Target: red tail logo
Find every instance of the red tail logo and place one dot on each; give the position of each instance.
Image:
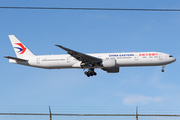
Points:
(22, 49)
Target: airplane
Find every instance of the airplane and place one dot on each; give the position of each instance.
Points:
(109, 62)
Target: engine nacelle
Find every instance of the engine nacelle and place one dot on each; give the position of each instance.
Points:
(109, 63)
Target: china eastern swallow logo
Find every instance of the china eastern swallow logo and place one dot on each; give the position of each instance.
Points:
(22, 49)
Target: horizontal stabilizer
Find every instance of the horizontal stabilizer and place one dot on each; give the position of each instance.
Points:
(15, 58)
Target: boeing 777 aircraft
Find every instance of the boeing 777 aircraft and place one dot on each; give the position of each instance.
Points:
(109, 62)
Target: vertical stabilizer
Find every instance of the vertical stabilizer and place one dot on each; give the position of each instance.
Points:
(20, 49)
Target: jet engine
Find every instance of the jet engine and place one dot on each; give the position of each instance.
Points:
(109, 63)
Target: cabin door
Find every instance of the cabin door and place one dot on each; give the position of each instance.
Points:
(38, 60)
(68, 59)
(136, 57)
(160, 56)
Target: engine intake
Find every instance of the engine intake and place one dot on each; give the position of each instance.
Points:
(109, 63)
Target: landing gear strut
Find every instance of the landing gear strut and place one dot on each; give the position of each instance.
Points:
(163, 68)
(90, 72)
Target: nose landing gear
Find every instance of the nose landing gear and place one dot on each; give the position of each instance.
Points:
(90, 72)
(163, 68)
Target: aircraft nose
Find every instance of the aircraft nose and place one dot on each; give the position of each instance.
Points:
(174, 59)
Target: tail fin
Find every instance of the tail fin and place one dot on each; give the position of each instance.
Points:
(20, 49)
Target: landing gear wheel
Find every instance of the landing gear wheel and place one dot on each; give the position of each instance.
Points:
(95, 73)
(163, 68)
(85, 72)
(90, 72)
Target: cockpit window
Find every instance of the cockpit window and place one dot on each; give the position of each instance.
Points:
(170, 56)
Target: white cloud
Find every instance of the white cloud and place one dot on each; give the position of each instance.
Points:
(140, 100)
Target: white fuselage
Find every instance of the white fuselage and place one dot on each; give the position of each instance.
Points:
(122, 60)
(109, 62)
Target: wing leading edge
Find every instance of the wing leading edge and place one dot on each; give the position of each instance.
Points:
(80, 56)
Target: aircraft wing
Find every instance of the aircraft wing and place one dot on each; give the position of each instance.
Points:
(15, 58)
(80, 56)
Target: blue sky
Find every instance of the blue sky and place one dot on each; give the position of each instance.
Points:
(90, 32)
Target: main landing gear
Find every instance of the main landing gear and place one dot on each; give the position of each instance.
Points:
(90, 72)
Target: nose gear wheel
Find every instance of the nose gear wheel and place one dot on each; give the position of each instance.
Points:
(163, 68)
